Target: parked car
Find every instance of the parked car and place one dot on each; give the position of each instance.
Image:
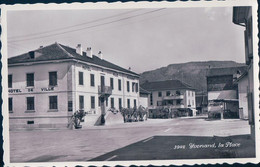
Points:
(214, 110)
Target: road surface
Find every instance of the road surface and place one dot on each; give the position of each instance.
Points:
(108, 142)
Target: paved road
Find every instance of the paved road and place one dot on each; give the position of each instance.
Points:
(184, 147)
(86, 144)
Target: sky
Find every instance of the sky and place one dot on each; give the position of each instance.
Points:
(143, 39)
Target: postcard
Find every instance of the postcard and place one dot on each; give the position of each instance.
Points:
(134, 83)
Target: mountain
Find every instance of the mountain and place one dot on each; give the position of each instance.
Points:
(192, 73)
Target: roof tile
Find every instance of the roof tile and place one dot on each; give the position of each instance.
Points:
(58, 51)
(165, 85)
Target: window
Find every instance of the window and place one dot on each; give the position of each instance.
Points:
(53, 78)
(178, 92)
(135, 103)
(112, 83)
(102, 81)
(30, 103)
(136, 87)
(70, 106)
(159, 94)
(189, 102)
(53, 102)
(168, 93)
(188, 93)
(10, 81)
(30, 122)
(178, 102)
(81, 78)
(192, 102)
(128, 86)
(112, 102)
(133, 87)
(106, 101)
(151, 99)
(119, 103)
(119, 84)
(92, 80)
(159, 103)
(128, 103)
(10, 104)
(81, 102)
(93, 102)
(30, 79)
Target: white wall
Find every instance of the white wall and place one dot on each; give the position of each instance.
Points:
(67, 89)
(41, 98)
(190, 99)
(185, 100)
(87, 91)
(242, 93)
(143, 101)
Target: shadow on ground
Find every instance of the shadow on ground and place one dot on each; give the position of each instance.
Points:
(162, 148)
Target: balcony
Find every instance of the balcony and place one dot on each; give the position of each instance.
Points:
(173, 97)
(104, 90)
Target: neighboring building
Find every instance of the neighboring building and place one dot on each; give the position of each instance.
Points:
(173, 93)
(242, 83)
(143, 99)
(243, 16)
(47, 85)
(202, 102)
(222, 92)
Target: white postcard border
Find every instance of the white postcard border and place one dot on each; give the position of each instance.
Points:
(117, 5)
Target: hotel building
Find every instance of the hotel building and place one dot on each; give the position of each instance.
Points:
(47, 85)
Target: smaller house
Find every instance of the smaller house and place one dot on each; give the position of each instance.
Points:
(223, 92)
(174, 94)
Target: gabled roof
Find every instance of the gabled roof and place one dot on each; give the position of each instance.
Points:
(166, 85)
(226, 71)
(58, 51)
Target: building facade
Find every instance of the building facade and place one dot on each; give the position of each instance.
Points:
(223, 92)
(242, 16)
(47, 85)
(242, 84)
(173, 93)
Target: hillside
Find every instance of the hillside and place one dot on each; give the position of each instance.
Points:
(193, 73)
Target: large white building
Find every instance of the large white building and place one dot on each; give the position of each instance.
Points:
(50, 83)
(172, 93)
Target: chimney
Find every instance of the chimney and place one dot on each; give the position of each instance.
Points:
(41, 47)
(79, 49)
(89, 52)
(100, 55)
